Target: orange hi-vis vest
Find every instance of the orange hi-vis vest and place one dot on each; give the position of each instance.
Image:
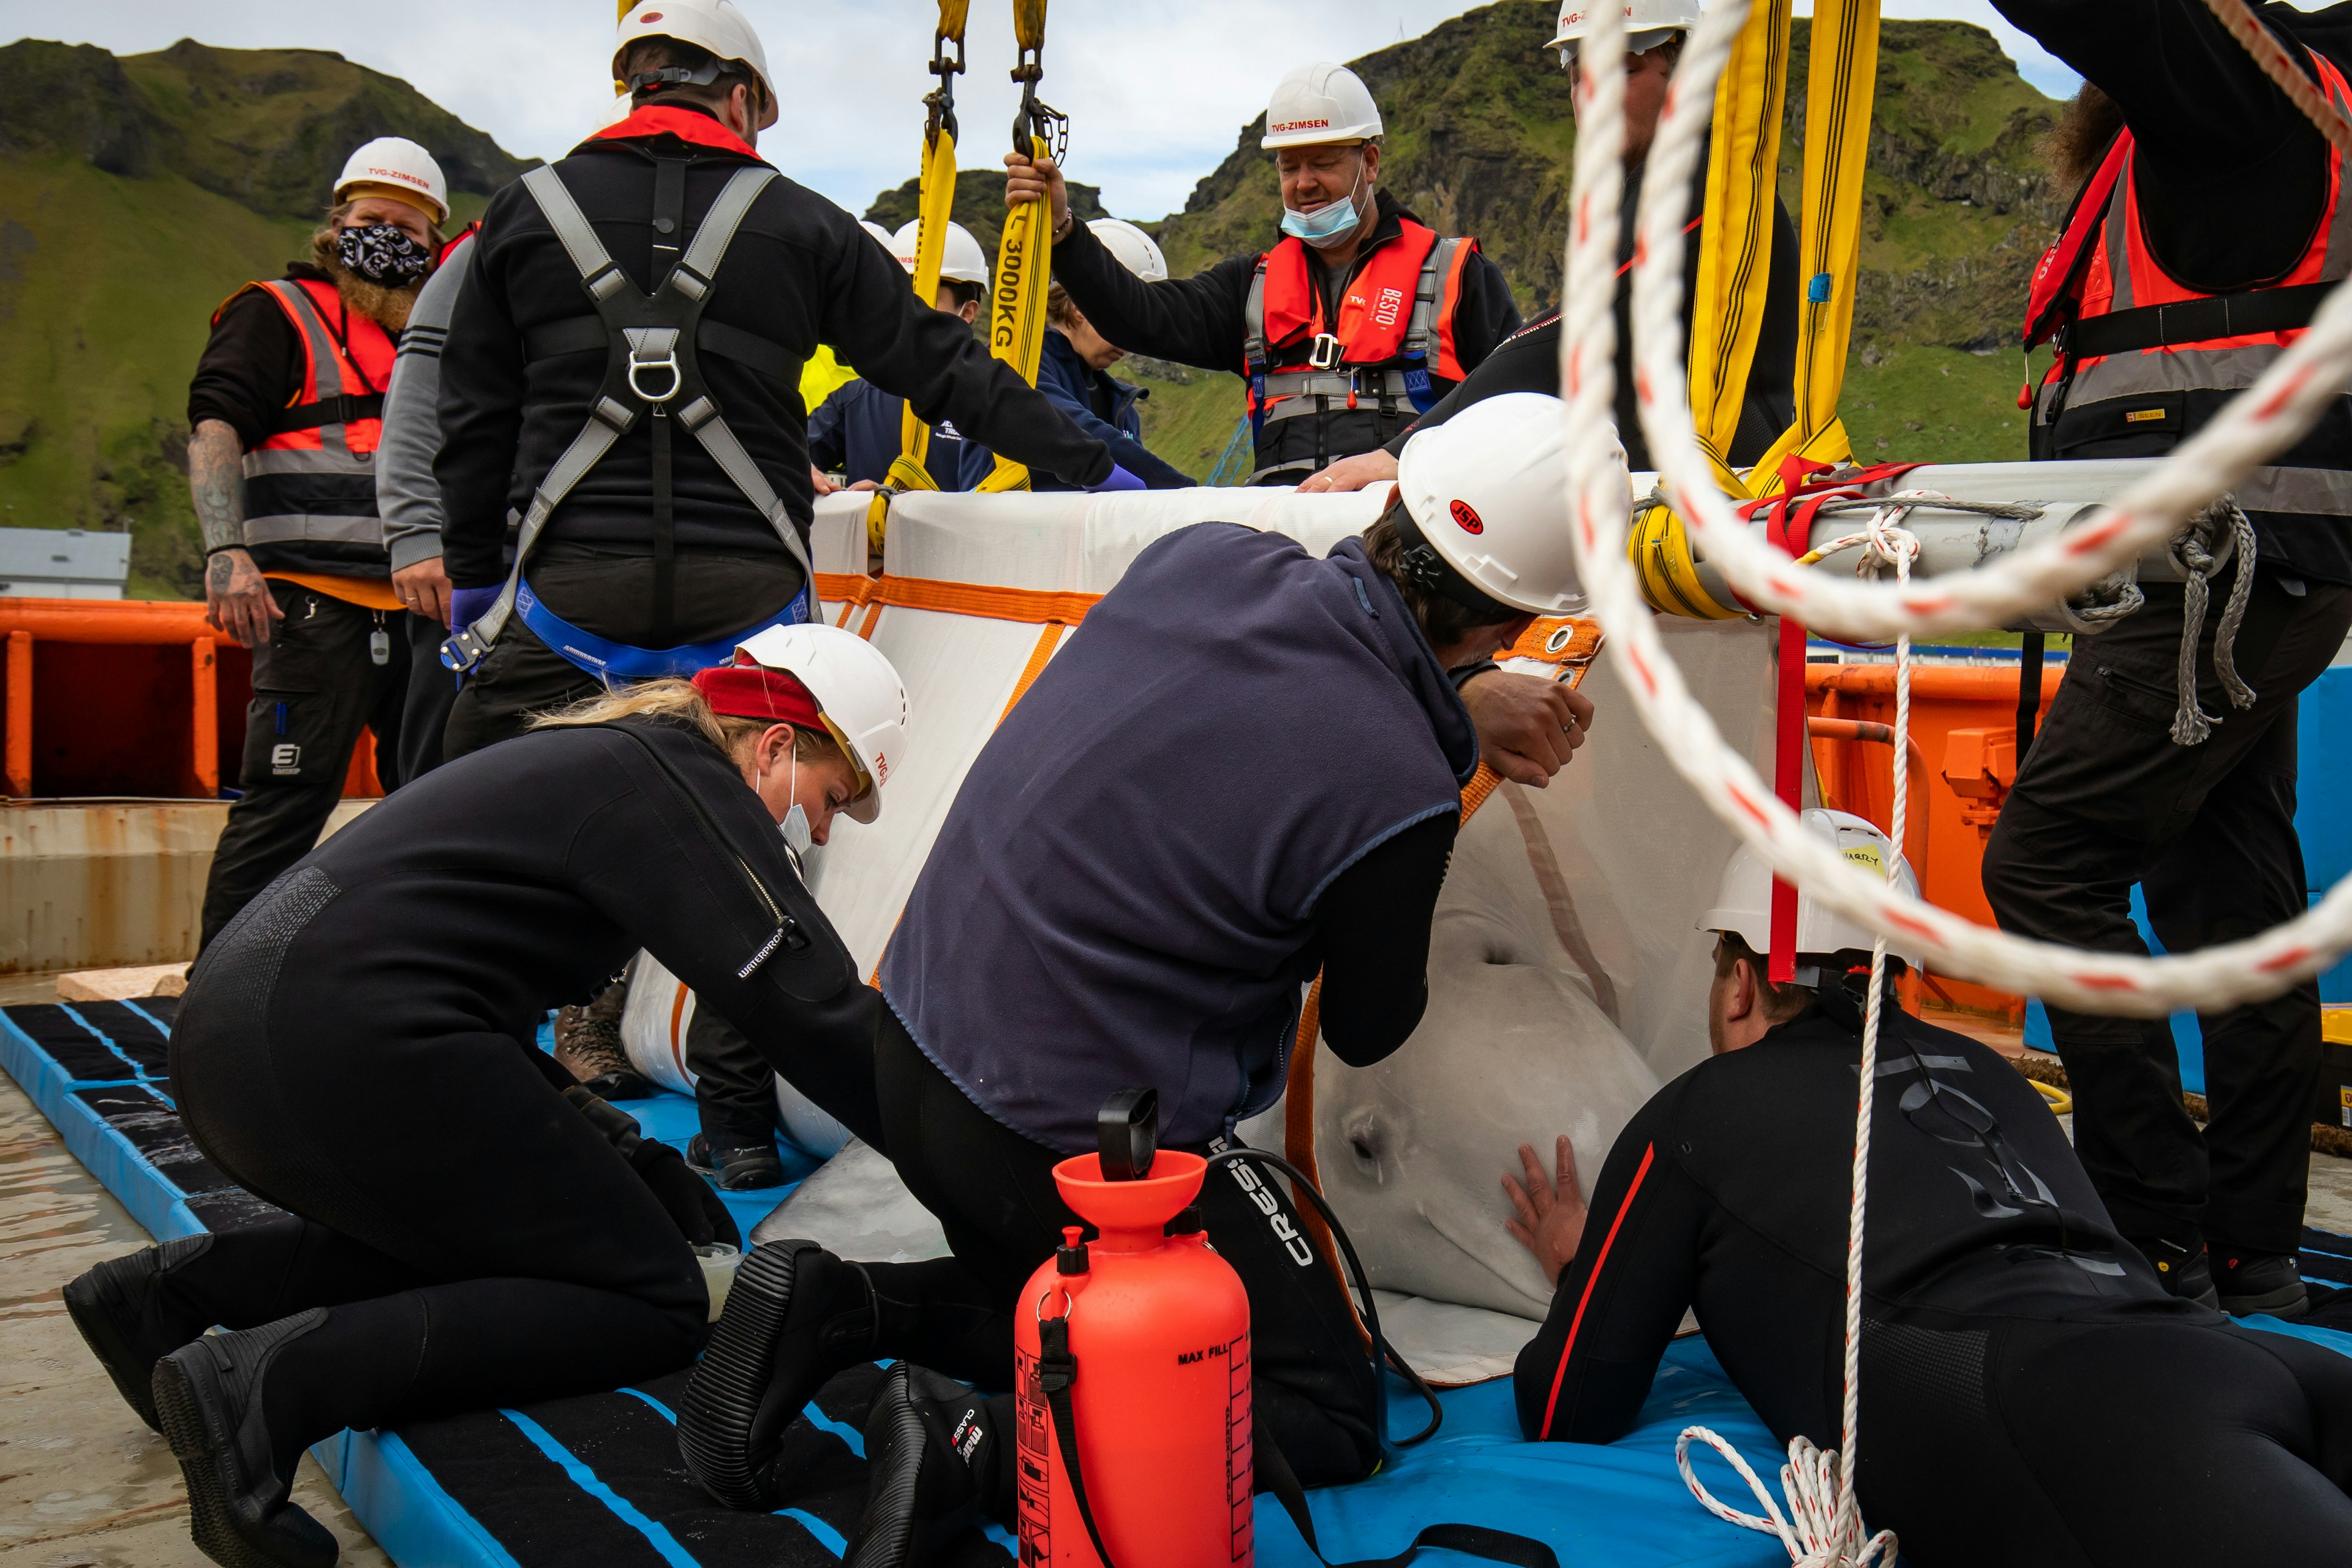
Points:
(2144, 361)
(1394, 331)
(310, 485)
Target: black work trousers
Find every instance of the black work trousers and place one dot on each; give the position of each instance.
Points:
(609, 593)
(431, 692)
(1314, 1395)
(2104, 800)
(734, 1086)
(316, 685)
(475, 1241)
(2117, 1443)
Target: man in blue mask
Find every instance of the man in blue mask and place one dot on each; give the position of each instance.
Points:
(1355, 320)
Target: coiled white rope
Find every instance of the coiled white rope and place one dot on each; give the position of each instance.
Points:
(2251, 429)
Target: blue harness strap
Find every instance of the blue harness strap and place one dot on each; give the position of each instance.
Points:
(609, 660)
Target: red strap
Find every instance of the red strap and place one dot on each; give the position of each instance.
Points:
(1559, 1372)
(1787, 780)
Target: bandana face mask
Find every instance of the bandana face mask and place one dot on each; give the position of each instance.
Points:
(383, 255)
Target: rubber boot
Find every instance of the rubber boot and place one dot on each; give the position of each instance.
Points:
(121, 1307)
(208, 1396)
(795, 1315)
(936, 1455)
(2251, 1282)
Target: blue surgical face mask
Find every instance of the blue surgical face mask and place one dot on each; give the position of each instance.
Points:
(1328, 224)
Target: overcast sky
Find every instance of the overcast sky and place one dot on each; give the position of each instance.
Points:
(1156, 89)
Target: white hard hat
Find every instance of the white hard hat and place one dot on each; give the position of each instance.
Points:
(961, 259)
(1743, 905)
(1488, 492)
(1136, 250)
(882, 237)
(1648, 24)
(713, 25)
(1318, 104)
(399, 164)
(858, 691)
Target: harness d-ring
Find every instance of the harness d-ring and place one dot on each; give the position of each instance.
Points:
(669, 363)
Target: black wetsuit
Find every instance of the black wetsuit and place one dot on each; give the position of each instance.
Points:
(2030, 1395)
(357, 1046)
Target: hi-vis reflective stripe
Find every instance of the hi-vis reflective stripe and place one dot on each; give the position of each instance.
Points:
(1840, 85)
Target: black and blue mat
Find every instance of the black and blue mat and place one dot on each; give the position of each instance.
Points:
(598, 1478)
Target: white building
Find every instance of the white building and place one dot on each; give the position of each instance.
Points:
(62, 563)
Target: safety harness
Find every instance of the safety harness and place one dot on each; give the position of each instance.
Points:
(1376, 352)
(651, 344)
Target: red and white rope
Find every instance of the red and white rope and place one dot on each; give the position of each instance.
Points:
(1828, 1531)
(2251, 429)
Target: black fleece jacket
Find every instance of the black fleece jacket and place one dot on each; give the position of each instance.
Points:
(798, 272)
(1200, 320)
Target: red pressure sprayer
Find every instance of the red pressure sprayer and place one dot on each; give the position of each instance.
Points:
(1133, 1356)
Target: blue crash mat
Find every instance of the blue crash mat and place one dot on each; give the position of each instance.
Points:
(597, 1478)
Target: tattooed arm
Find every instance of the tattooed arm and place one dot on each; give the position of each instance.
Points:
(236, 599)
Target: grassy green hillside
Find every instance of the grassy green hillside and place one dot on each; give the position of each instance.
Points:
(134, 195)
(1481, 140)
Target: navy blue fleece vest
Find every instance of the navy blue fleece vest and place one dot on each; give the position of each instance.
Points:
(1124, 890)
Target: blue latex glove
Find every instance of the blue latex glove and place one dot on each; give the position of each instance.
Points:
(1119, 480)
(467, 606)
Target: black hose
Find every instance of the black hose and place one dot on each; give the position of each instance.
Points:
(1383, 1357)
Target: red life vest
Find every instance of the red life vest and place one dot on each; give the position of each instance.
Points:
(1393, 333)
(2145, 360)
(310, 484)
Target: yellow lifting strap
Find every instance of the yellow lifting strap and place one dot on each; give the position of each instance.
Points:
(1734, 264)
(1025, 256)
(1732, 294)
(1841, 84)
(910, 470)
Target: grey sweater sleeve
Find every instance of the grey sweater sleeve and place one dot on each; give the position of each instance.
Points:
(407, 494)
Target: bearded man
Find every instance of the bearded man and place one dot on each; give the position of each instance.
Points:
(286, 408)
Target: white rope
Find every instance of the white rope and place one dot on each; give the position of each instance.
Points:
(1810, 1480)
(1823, 1528)
(2251, 429)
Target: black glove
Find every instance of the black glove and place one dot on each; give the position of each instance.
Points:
(700, 1216)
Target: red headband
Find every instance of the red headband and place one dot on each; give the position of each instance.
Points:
(753, 691)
